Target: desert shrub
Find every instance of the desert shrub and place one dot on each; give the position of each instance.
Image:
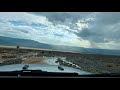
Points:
(8, 56)
(17, 46)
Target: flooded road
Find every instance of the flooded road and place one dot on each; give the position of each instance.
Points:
(49, 61)
(40, 60)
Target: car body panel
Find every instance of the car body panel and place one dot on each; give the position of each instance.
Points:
(48, 68)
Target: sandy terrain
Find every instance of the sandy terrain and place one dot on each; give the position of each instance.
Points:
(33, 60)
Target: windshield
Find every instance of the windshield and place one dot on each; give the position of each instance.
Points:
(86, 41)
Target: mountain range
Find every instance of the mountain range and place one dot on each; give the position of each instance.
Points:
(34, 44)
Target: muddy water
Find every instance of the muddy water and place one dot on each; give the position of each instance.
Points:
(33, 60)
(40, 60)
(49, 61)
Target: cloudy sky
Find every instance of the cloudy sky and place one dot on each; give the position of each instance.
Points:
(81, 29)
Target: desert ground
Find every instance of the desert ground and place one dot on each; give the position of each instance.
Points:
(88, 62)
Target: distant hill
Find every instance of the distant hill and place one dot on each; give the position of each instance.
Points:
(34, 44)
(22, 42)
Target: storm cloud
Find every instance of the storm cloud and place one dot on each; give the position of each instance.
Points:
(81, 29)
(103, 29)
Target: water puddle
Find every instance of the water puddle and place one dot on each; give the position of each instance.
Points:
(50, 60)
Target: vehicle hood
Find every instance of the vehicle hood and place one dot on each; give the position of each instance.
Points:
(48, 68)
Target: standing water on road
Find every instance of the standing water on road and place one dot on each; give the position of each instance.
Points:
(51, 60)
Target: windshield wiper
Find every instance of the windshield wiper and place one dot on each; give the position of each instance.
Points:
(53, 74)
(36, 73)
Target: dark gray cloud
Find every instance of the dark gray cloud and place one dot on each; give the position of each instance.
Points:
(103, 29)
(62, 17)
(90, 35)
(98, 28)
(108, 17)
